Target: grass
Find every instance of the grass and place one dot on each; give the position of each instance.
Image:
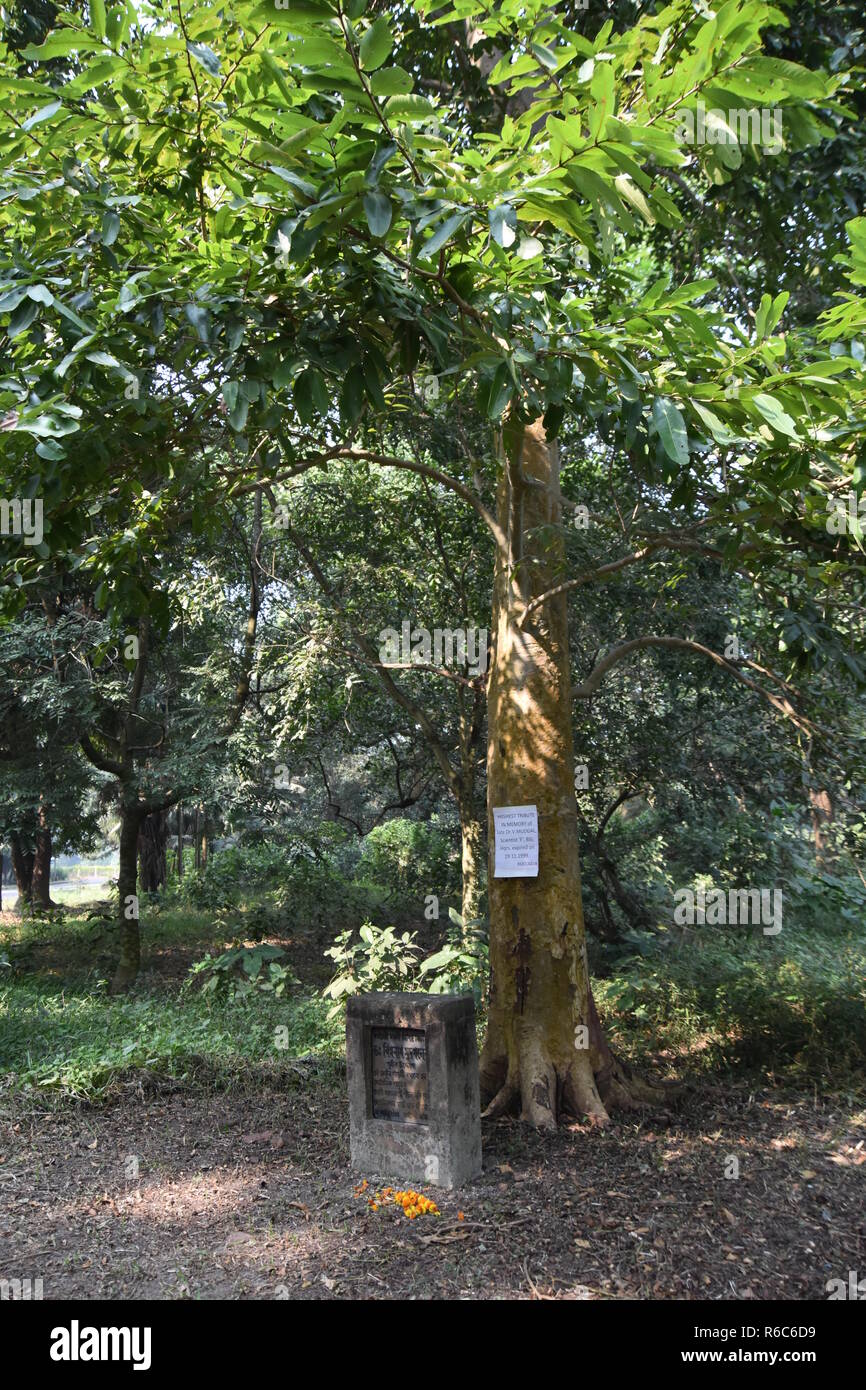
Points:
(61, 1032)
(719, 1000)
(708, 1001)
(85, 1044)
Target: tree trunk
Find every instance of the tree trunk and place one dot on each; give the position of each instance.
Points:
(127, 879)
(22, 863)
(470, 855)
(822, 816)
(610, 882)
(179, 843)
(41, 880)
(545, 1050)
(152, 839)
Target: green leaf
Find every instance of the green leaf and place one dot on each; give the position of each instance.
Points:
(442, 235)
(777, 418)
(546, 57)
(717, 428)
(277, 74)
(498, 393)
(376, 45)
(310, 395)
(97, 16)
(206, 57)
(409, 108)
(12, 298)
(22, 318)
(391, 82)
(110, 228)
(503, 222)
(200, 320)
(40, 294)
(353, 394)
(229, 392)
(671, 427)
(238, 413)
(629, 189)
(377, 210)
(103, 359)
(43, 114)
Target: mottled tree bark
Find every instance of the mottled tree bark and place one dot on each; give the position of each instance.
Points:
(41, 881)
(152, 837)
(545, 1051)
(129, 958)
(471, 851)
(22, 864)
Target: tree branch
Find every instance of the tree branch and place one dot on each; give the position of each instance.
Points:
(619, 653)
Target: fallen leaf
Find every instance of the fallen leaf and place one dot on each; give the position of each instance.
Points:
(240, 1238)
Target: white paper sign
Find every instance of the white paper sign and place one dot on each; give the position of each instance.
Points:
(515, 832)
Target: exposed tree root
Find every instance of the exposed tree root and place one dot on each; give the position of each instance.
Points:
(542, 1096)
(504, 1101)
(545, 1098)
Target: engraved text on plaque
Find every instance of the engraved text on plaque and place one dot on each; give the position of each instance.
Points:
(399, 1074)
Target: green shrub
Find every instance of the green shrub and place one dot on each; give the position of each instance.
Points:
(409, 860)
(241, 970)
(728, 997)
(377, 960)
(462, 963)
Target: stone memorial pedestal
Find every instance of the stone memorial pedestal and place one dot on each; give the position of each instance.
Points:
(414, 1100)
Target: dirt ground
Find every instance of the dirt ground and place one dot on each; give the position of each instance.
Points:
(188, 1193)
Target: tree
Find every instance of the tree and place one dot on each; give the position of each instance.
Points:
(360, 537)
(313, 257)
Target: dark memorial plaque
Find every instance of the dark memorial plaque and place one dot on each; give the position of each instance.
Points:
(398, 1072)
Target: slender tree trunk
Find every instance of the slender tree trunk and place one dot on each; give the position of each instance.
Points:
(197, 839)
(470, 854)
(22, 863)
(127, 882)
(41, 881)
(611, 882)
(822, 817)
(545, 1051)
(179, 843)
(152, 838)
